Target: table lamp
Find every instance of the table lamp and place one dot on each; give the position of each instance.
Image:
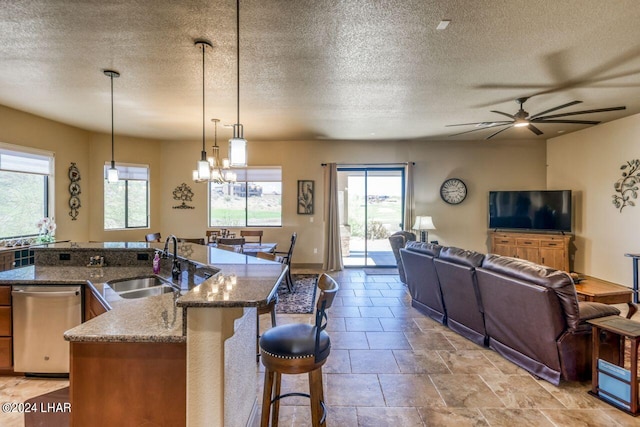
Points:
(423, 224)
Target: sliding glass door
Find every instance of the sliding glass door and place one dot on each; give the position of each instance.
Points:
(371, 209)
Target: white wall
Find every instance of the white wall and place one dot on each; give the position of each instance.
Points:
(588, 162)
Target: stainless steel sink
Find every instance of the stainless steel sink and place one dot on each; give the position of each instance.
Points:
(124, 285)
(147, 292)
(141, 287)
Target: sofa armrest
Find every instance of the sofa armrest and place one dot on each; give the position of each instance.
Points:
(594, 310)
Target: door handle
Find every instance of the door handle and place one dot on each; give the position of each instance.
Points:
(45, 294)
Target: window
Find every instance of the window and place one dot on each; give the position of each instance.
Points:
(255, 200)
(126, 202)
(26, 180)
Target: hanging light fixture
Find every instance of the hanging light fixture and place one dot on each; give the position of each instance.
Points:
(203, 171)
(237, 144)
(112, 172)
(219, 169)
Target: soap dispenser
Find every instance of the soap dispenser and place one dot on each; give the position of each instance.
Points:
(156, 263)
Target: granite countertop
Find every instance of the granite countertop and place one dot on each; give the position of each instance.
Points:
(243, 281)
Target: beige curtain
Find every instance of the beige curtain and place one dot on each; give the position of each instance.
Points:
(333, 250)
(409, 203)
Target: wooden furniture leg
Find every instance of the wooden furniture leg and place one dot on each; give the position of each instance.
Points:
(316, 395)
(266, 397)
(276, 404)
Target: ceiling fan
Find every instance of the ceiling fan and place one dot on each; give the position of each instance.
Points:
(522, 118)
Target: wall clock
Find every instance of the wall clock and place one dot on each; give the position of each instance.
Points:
(453, 191)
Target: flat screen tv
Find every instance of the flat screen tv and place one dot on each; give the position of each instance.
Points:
(548, 210)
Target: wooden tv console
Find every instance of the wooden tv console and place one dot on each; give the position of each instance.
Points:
(547, 249)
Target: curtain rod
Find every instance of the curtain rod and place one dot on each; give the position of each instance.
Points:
(371, 164)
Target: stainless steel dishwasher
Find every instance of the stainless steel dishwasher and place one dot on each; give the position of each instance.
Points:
(41, 315)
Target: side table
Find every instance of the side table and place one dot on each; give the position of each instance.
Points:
(611, 382)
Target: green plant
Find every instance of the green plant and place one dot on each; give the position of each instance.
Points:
(378, 231)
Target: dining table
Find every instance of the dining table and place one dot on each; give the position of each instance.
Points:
(252, 249)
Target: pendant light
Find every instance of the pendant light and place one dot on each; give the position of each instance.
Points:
(219, 169)
(237, 144)
(202, 172)
(112, 172)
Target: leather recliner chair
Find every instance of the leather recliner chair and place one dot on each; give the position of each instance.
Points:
(456, 270)
(398, 240)
(533, 318)
(422, 279)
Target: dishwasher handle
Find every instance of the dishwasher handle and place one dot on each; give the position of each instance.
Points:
(45, 294)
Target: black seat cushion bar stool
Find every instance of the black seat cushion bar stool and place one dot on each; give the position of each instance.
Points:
(298, 348)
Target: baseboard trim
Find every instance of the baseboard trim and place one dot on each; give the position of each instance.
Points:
(307, 265)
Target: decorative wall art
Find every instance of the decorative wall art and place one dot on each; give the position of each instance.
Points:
(183, 193)
(627, 186)
(305, 197)
(74, 191)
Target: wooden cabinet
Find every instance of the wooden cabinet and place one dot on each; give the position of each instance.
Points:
(6, 341)
(129, 383)
(93, 305)
(551, 250)
(7, 260)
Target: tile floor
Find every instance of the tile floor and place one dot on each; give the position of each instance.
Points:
(392, 366)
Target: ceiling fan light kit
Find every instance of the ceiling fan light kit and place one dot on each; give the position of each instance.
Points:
(522, 118)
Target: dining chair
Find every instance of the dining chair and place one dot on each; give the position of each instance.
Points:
(287, 260)
(153, 237)
(232, 241)
(212, 236)
(228, 247)
(270, 306)
(252, 233)
(199, 241)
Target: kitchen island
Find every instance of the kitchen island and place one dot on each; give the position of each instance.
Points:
(212, 321)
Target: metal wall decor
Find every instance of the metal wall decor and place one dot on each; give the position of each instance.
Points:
(305, 197)
(183, 193)
(74, 191)
(627, 186)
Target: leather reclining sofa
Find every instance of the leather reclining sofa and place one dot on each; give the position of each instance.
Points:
(526, 312)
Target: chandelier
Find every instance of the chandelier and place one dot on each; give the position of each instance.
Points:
(219, 170)
(210, 169)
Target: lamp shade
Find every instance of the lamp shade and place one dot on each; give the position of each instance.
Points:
(112, 174)
(238, 152)
(424, 223)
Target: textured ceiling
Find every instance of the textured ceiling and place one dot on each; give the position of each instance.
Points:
(314, 69)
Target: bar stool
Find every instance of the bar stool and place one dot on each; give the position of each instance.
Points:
(298, 348)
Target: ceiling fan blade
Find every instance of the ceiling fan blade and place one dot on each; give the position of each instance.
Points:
(477, 129)
(479, 123)
(577, 122)
(504, 114)
(495, 133)
(534, 129)
(559, 107)
(575, 113)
